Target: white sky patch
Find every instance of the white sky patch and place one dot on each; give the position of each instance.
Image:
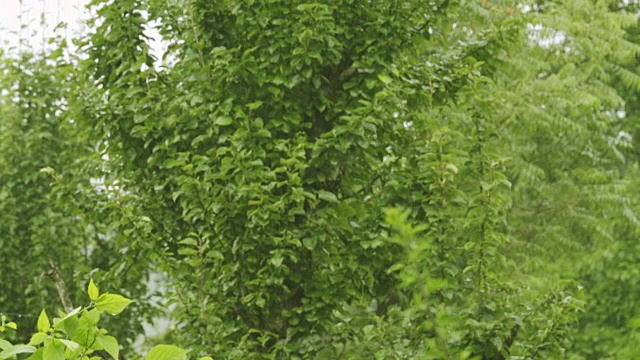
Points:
(545, 37)
(24, 20)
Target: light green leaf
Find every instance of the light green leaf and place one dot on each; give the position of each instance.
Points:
(72, 345)
(16, 349)
(386, 79)
(11, 325)
(38, 355)
(4, 344)
(38, 338)
(277, 260)
(57, 323)
(55, 351)
(112, 304)
(110, 345)
(93, 315)
(189, 241)
(223, 120)
(93, 291)
(309, 243)
(43, 322)
(166, 352)
(327, 196)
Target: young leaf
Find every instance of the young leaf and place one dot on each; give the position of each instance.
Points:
(16, 349)
(72, 345)
(38, 355)
(11, 325)
(38, 338)
(4, 344)
(110, 345)
(43, 322)
(112, 304)
(386, 79)
(54, 351)
(166, 352)
(93, 315)
(93, 291)
(58, 322)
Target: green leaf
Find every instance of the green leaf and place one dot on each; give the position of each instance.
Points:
(57, 323)
(310, 243)
(92, 315)
(386, 79)
(110, 345)
(223, 120)
(72, 345)
(112, 304)
(4, 344)
(17, 349)
(327, 196)
(38, 338)
(11, 325)
(93, 291)
(55, 351)
(43, 322)
(277, 260)
(166, 352)
(38, 355)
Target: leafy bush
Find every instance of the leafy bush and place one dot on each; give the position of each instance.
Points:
(77, 336)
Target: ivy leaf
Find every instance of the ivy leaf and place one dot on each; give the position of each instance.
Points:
(43, 322)
(166, 352)
(112, 304)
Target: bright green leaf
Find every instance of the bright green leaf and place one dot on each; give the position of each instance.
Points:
(223, 120)
(166, 352)
(38, 338)
(386, 79)
(55, 351)
(110, 345)
(93, 291)
(17, 349)
(112, 304)
(43, 322)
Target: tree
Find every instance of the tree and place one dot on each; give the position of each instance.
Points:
(344, 179)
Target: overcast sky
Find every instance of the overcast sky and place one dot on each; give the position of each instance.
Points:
(55, 11)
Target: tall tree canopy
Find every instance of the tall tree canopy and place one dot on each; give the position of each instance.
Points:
(334, 179)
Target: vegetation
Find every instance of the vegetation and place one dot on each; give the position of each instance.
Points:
(337, 179)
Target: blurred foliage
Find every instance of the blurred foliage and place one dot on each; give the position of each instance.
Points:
(335, 179)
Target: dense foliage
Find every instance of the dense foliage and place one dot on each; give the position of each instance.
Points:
(338, 179)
